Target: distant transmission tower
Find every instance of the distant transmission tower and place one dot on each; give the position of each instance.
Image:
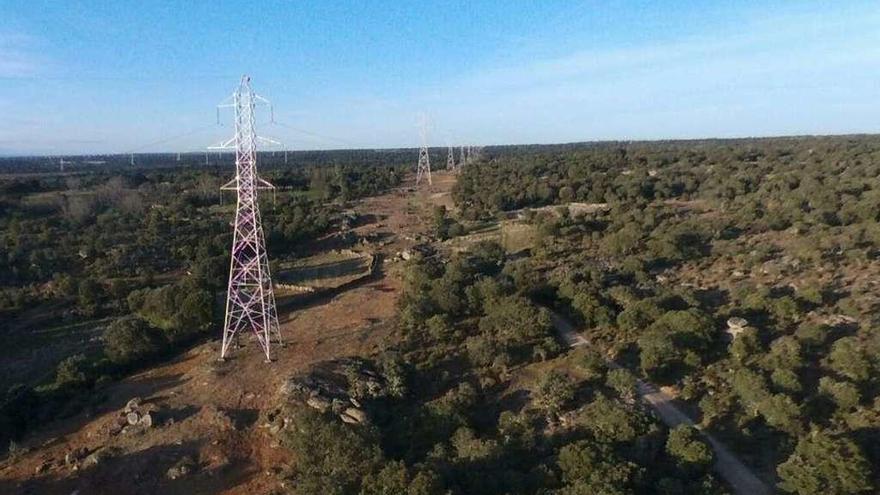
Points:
(250, 299)
(462, 160)
(450, 160)
(424, 167)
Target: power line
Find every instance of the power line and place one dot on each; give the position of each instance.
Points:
(168, 139)
(316, 135)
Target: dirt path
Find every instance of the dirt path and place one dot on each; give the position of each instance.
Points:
(727, 465)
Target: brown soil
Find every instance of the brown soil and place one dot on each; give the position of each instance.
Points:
(212, 411)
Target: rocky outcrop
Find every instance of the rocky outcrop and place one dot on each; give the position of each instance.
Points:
(339, 387)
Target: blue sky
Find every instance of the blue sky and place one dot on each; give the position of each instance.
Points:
(98, 77)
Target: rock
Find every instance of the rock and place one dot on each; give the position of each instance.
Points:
(146, 420)
(840, 320)
(735, 326)
(357, 414)
(132, 418)
(132, 405)
(348, 419)
(319, 403)
(181, 468)
(737, 323)
(96, 457)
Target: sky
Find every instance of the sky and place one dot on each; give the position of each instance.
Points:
(146, 76)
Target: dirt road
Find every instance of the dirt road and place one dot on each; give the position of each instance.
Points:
(740, 478)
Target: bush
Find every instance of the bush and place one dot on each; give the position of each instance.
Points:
(72, 372)
(130, 339)
(623, 382)
(555, 392)
(822, 464)
(688, 449)
(331, 457)
(589, 467)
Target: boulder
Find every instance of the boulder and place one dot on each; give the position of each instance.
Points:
(737, 323)
(348, 419)
(133, 418)
(319, 403)
(132, 405)
(358, 414)
(735, 326)
(146, 420)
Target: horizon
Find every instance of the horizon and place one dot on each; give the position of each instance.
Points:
(440, 147)
(131, 78)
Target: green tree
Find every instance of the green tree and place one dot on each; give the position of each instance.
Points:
(623, 382)
(331, 457)
(824, 464)
(848, 357)
(589, 467)
(555, 392)
(130, 339)
(72, 372)
(688, 449)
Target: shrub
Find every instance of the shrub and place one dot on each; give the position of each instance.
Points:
(72, 372)
(823, 464)
(555, 392)
(130, 339)
(688, 449)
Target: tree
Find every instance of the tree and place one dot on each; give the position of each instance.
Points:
(674, 338)
(589, 467)
(623, 382)
(844, 394)
(688, 449)
(824, 464)
(514, 321)
(130, 339)
(72, 372)
(390, 480)
(591, 310)
(848, 357)
(555, 392)
(781, 412)
(611, 421)
(88, 296)
(331, 457)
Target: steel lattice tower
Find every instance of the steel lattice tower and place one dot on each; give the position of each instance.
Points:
(423, 169)
(462, 160)
(250, 299)
(450, 160)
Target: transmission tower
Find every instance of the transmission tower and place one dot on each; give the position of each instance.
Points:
(462, 160)
(450, 160)
(250, 299)
(424, 167)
